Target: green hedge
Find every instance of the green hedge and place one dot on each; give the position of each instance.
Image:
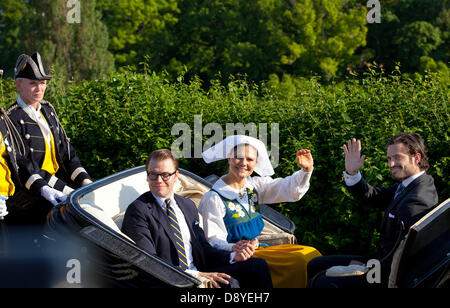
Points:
(115, 122)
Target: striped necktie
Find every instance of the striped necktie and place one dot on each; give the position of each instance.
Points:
(173, 222)
(400, 189)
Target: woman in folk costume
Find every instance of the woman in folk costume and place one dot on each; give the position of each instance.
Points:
(230, 214)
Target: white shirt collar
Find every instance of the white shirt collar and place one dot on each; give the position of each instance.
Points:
(229, 192)
(26, 107)
(161, 200)
(36, 116)
(412, 178)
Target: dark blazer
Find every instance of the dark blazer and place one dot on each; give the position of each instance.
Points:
(409, 206)
(70, 168)
(147, 224)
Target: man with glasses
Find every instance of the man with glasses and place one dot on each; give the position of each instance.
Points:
(55, 167)
(167, 225)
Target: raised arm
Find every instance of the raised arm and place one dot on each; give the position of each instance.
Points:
(353, 159)
(305, 160)
(288, 189)
(356, 185)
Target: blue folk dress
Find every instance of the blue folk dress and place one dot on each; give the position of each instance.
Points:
(240, 223)
(287, 262)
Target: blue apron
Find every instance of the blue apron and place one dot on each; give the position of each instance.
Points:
(240, 223)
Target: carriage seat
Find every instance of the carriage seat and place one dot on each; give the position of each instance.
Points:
(109, 203)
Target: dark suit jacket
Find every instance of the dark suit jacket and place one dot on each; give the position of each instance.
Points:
(412, 204)
(147, 224)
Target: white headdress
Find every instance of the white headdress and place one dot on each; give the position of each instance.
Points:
(222, 150)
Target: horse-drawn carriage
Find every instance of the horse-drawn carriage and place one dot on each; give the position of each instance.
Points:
(95, 214)
(83, 239)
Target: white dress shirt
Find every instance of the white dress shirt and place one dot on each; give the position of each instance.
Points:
(186, 234)
(351, 180)
(212, 209)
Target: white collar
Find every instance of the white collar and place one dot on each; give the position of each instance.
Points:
(36, 116)
(412, 178)
(161, 200)
(229, 192)
(27, 108)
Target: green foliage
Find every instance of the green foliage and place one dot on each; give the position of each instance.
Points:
(116, 122)
(216, 39)
(409, 30)
(418, 39)
(11, 31)
(70, 50)
(135, 27)
(232, 37)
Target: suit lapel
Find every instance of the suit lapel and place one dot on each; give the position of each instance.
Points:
(408, 188)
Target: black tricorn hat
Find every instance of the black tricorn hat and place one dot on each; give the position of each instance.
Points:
(30, 67)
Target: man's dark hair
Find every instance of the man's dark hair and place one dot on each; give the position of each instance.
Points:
(415, 145)
(161, 154)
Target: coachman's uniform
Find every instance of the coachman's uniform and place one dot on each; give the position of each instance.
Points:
(8, 162)
(14, 168)
(49, 169)
(54, 158)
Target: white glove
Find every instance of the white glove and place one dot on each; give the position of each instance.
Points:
(349, 270)
(52, 195)
(86, 182)
(3, 209)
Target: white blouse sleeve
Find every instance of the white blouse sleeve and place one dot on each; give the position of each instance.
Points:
(213, 211)
(288, 189)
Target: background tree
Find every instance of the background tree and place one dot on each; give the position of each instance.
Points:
(231, 37)
(340, 30)
(72, 50)
(261, 39)
(11, 32)
(411, 30)
(137, 28)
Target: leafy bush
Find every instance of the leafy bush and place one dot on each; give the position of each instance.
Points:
(115, 122)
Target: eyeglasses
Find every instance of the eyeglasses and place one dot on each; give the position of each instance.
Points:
(165, 176)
